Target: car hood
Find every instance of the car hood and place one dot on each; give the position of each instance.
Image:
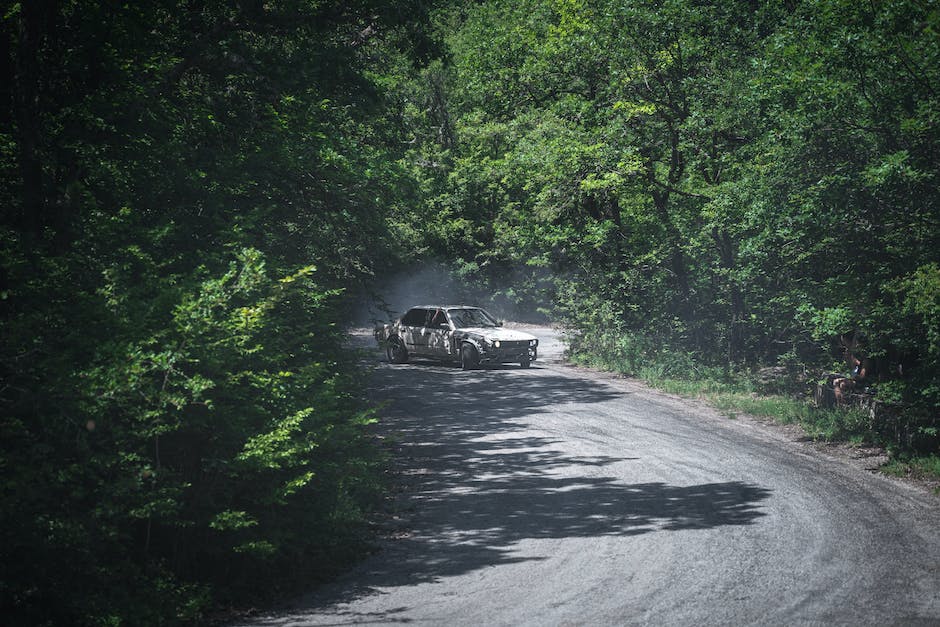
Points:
(504, 335)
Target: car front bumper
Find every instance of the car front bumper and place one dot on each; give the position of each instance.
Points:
(508, 355)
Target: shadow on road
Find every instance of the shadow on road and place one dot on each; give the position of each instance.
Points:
(475, 482)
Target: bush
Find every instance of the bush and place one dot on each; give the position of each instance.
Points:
(163, 460)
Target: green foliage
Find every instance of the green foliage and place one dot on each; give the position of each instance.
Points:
(740, 182)
(191, 192)
(216, 449)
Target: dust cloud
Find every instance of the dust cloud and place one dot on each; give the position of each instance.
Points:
(434, 283)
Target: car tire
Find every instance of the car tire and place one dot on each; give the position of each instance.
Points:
(395, 351)
(469, 358)
(525, 363)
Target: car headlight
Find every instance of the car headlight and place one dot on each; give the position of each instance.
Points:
(533, 342)
(496, 344)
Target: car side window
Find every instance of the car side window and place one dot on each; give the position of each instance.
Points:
(415, 318)
(438, 319)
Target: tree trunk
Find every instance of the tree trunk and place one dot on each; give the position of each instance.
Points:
(677, 262)
(726, 253)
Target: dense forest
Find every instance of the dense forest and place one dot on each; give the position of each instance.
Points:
(197, 193)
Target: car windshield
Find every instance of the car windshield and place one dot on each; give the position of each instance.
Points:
(463, 318)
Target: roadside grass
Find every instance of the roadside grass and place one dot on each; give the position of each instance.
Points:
(738, 396)
(827, 425)
(781, 409)
(925, 468)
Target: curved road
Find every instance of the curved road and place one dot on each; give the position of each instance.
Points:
(559, 496)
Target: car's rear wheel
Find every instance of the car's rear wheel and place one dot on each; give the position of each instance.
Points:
(395, 351)
(469, 358)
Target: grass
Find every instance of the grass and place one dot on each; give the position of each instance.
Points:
(828, 425)
(781, 409)
(925, 467)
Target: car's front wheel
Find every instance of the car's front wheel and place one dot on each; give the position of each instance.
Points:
(395, 351)
(469, 358)
(525, 363)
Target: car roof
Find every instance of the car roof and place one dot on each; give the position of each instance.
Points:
(445, 307)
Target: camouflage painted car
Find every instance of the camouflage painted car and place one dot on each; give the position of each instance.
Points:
(455, 333)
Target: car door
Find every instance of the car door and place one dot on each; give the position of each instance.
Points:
(438, 334)
(412, 330)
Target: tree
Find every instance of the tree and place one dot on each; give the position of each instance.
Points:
(191, 188)
(732, 181)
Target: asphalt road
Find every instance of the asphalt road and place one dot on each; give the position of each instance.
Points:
(559, 496)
